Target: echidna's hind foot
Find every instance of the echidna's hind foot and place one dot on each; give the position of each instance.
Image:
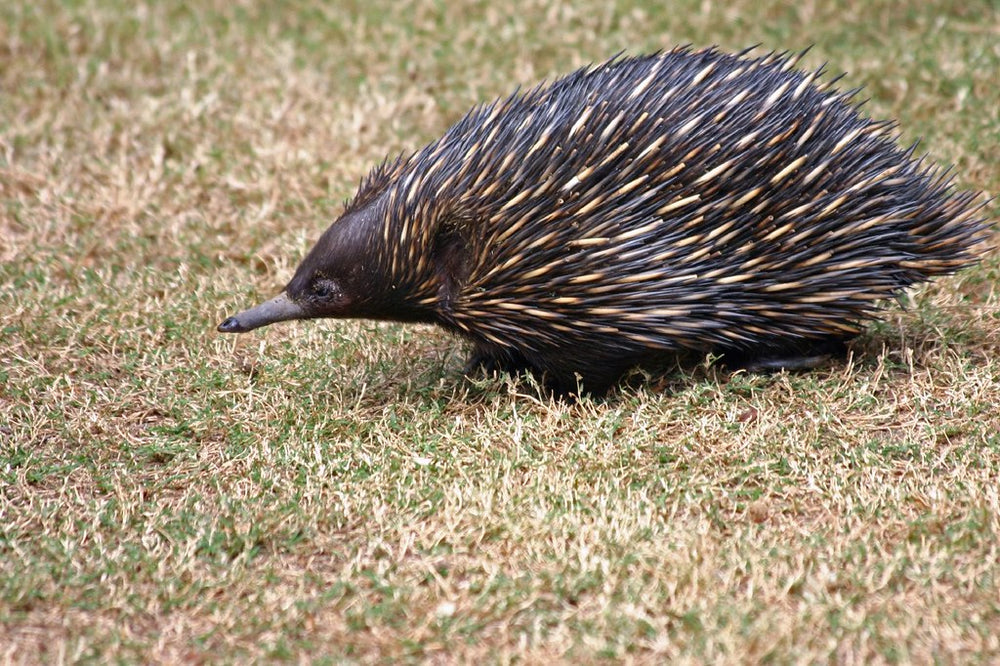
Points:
(794, 356)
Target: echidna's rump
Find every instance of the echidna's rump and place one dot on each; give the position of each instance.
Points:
(690, 199)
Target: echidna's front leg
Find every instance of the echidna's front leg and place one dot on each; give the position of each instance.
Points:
(490, 360)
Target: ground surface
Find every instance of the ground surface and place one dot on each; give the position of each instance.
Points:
(335, 490)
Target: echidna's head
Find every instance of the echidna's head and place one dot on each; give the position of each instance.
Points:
(340, 277)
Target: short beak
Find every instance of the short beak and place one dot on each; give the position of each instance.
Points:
(280, 308)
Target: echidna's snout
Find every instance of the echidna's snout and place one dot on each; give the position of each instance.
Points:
(280, 308)
(230, 325)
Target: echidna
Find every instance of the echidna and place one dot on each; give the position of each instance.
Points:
(681, 200)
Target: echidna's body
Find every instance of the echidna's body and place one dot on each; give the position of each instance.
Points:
(681, 200)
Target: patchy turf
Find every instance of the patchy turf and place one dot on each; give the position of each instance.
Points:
(335, 490)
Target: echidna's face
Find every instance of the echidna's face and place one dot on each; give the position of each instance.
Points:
(342, 276)
(328, 282)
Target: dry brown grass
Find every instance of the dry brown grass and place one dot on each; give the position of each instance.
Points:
(334, 491)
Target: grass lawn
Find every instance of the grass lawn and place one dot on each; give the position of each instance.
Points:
(335, 491)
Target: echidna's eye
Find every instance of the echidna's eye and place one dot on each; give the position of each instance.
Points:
(324, 289)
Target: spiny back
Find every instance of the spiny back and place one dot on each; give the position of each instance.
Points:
(682, 199)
